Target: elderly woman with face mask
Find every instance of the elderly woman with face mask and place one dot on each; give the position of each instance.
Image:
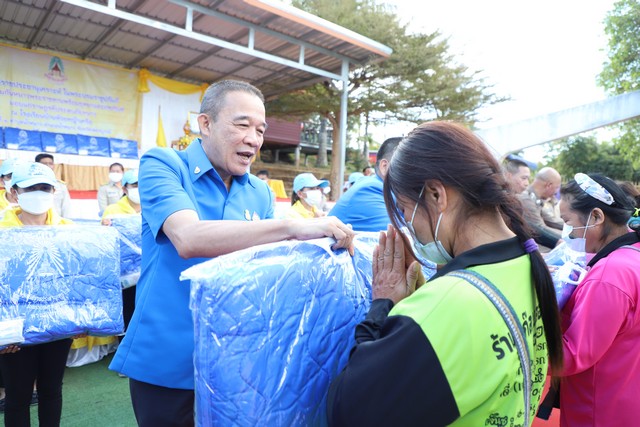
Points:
(600, 382)
(307, 198)
(471, 346)
(32, 184)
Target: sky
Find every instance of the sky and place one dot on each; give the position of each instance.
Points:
(544, 55)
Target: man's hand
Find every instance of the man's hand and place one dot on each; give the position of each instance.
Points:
(328, 226)
(392, 279)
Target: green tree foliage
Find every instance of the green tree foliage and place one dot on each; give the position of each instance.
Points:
(420, 81)
(585, 154)
(621, 73)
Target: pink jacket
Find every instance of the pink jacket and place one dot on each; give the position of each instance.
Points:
(601, 325)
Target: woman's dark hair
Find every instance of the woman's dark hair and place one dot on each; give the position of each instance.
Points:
(454, 156)
(631, 190)
(581, 202)
(294, 197)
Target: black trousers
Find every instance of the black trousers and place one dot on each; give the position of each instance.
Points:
(43, 364)
(128, 304)
(157, 406)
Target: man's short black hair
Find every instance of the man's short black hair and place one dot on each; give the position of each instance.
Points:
(263, 172)
(387, 148)
(43, 156)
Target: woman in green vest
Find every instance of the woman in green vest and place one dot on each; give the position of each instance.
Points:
(470, 350)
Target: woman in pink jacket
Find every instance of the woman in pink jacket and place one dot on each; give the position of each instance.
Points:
(600, 384)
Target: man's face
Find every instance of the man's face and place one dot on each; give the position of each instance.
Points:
(47, 161)
(520, 180)
(551, 188)
(233, 140)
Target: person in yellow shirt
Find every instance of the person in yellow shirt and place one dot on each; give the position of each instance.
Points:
(129, 204)
(307, 197)
(6, 170)
(32, 184)
(91, 349)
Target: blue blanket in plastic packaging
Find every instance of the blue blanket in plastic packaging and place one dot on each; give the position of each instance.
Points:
(62, 281)
(274, 324)
(130, 229)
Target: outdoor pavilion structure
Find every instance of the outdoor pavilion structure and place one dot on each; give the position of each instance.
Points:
(274, 46)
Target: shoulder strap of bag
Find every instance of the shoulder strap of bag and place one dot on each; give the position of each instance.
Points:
(631, 247)
(511, 319)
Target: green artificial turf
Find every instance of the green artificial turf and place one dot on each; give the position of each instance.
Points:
(94, 396)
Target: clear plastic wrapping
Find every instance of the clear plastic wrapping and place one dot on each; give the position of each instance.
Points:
(130, 229)
(568, 268)
(273, 326)
(62, 280)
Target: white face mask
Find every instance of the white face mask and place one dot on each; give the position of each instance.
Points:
(432, 251)
(134, 195)
(35, 202)
(577, 244)
(115, 176)
(7, 184)
(314, 197)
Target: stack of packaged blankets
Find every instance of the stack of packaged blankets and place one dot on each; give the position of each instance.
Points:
(59, 281)
(274, 324)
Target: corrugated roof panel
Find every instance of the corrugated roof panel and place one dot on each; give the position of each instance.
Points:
(99, 36)
(117, 55)
(134, 42)
(164, 11)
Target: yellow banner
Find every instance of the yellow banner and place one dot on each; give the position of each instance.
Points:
(47, 92)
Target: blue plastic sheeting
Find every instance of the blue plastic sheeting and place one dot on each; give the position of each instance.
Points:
(123, 148)
(59, 143)
(129, 228)
(273, 326)
(21, 139)
(62, 280)
(93, 146)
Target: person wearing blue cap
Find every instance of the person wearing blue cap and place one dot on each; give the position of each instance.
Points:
(6, 170)
(33, 186)
(61, 197)
(129, 204)
(353, 178)
(307, 196)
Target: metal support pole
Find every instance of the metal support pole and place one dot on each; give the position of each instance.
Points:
(343, 124)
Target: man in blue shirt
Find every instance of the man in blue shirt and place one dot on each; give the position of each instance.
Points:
(197, 204)
(362, 205)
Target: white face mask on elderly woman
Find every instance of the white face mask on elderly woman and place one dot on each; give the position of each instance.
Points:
(35, 202)
(134, 195)
(313, 197)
